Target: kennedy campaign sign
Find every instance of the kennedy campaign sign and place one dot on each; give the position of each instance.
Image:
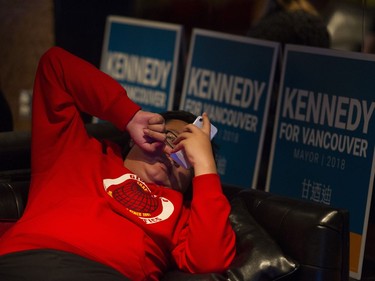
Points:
(143, 56)
(323, 143)
(231, 78)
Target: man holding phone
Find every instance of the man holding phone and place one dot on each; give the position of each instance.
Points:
(93, 214)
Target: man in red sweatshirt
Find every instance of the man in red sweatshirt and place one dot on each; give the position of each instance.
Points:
(93, 215)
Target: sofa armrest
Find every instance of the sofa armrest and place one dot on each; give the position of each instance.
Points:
(315, 235)
(258, 256)
(13, 198)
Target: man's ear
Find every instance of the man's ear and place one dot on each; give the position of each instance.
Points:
(126, 148)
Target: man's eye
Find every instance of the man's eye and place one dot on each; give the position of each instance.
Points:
(171, 139)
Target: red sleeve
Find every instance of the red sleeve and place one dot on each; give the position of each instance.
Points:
(65, 85)
(207, 243)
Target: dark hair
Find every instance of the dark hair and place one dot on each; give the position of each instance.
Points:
(179, 115)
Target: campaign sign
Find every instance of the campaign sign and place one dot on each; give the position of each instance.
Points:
(143, 56)
(230, 78)
(323, 142)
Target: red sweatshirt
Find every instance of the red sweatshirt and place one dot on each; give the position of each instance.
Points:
(83, 200)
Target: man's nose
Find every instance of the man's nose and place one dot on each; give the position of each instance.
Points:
(167, 149)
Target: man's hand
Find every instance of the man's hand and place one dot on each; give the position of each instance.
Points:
(147, 130)
(196, 143)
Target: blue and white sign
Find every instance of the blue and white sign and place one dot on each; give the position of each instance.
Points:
(323, 142)
(231, 77)
(143, 56)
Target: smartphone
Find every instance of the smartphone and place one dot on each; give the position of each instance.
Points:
(199, 123)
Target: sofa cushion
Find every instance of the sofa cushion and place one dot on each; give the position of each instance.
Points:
(258, 256)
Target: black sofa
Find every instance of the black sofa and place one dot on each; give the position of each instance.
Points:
(278, 238)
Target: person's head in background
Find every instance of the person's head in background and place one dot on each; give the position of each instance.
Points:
(294, 5)
(262, 8)
(290, 22)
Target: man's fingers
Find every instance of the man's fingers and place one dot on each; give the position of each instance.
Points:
(158, 136)
(156, 120)
(206, 123)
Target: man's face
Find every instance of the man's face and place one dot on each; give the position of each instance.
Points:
(158, 167)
